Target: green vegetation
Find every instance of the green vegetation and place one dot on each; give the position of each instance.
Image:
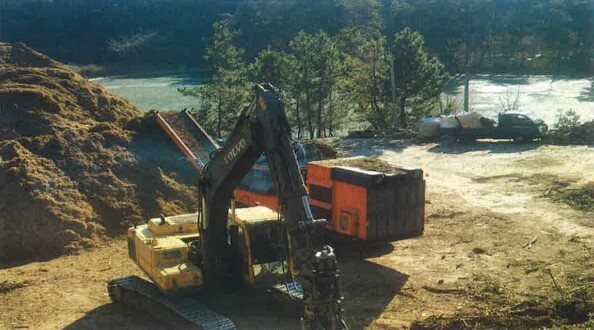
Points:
(581, 198)
(325, 79)
(569, 130)
(567, 121)
(471, 36)
(419, 75)
(224, 93)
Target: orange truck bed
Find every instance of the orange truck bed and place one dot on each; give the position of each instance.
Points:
(367, 205)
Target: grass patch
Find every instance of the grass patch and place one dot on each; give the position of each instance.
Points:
(572, 304)
(581, 198)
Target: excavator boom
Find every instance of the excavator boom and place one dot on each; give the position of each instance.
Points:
(262, 128)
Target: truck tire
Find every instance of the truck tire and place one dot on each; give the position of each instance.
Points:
(447, 140)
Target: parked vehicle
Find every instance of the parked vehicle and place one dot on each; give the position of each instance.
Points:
(471, 126)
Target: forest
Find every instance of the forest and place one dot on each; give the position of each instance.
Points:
(384, 62)
(502, 34)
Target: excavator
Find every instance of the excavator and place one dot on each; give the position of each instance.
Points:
(222, 244)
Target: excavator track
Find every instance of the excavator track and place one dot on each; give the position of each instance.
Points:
(186, 306)
(292, 289)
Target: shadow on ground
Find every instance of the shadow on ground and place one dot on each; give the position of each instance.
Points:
(116, 317)
(368, 289)
(346, 249)
(371, 146)
(491, 146)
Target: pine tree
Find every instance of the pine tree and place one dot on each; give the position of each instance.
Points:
(223, 94)
(366, 82)
(417, 74)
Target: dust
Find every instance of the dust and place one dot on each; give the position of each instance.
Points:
(76, 163)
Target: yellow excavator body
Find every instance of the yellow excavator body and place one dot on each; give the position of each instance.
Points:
(160, 248)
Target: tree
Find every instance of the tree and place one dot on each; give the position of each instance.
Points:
(362, 13)
(367, 73)
(223, 94)
(315, 76)
(279, 69)
(270, 66)
(417, 74)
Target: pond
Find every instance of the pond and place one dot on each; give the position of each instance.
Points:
(157, 90)
(540, 96)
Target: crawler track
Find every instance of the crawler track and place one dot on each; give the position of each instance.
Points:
(185, 305)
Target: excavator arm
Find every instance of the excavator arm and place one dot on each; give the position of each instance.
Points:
(262, 128)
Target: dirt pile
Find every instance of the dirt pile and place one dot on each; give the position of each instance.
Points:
(75, 161)
(364, 163)
(318, 149)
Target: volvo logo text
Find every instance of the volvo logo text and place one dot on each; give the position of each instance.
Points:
(234, 152)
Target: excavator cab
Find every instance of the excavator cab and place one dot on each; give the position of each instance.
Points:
(257, 242)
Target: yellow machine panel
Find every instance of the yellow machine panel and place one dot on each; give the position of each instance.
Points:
(252, 214)
(160, 249)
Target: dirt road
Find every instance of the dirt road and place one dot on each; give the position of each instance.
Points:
(496, 252)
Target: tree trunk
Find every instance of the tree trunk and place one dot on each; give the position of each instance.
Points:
(309, 115)
(219, 115)
(466, 91)
(319, 115)
(394, 103)
(297, 114)
(331, 116)
(403, 112)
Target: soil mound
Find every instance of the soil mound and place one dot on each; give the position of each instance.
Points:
(364, 163)
(316, 149)
(76, 162)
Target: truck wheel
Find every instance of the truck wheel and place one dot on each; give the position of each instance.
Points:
(447, 140)
(467, 140)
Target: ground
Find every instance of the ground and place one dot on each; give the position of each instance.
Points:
(496, 252)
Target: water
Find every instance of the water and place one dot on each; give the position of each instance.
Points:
(539, 96)
(155, 91)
